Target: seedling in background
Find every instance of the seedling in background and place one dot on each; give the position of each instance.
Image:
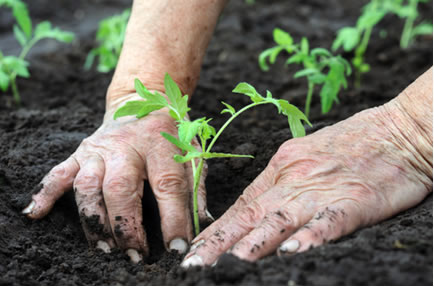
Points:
(12, 66)
(320, 67)
(357, 38)
(110, 35)
(187, 130)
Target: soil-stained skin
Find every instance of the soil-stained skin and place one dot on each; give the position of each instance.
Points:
(62, 104)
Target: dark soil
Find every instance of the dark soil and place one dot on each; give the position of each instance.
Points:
(63, 104)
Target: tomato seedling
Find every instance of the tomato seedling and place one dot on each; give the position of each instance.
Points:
(110, 35)
(187, 130)
(357, 38)
(13, 66)
(320, 67)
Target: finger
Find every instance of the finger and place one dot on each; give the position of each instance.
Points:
(242, 222)
(90, 203)
(330, 223)
(123, 191)
(274, 228)
(263, 182)
(169, 183)
(54, 185)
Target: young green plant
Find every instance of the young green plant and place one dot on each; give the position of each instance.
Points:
(188, 130)
(110, 35)
(357, 38)
(320, 67)
(27, 37)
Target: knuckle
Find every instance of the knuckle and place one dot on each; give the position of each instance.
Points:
(243, 200)
(170, 183)
(286, 218)
(251, 214)
(88, 181)
(121, 183)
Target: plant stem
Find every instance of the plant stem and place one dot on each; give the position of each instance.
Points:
(309, 98)
(197, 175)
(360, 52)
(22, 55)
(197, 172)
(15, 92)
(408, 27)
(229, 121)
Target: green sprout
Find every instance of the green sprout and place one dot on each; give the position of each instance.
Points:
(187, 130)
(320, 67)
(110, 35)
(357, 38)
(13, 66)
(410, 13)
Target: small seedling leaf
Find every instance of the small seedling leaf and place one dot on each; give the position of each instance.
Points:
(21, 14)
(321, 52)
(206, 131)
(248, 90)
(188, 130)
(348, 37)
(4, 81)
(282, 38)
(181, 145)
(131, 108)
(295, 116)
(178, 102)
(306, 72)
(229, 109)
(20, 36)
(208, 155)
(423, 28)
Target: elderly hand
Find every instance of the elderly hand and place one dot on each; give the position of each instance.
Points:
(326, 185)
(107, 173)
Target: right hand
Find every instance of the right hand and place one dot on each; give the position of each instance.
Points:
(107, 172)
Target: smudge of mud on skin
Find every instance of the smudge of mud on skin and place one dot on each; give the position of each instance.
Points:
(255, 248)
(94, 226)
(220, 235)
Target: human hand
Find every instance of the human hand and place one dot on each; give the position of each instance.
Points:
(324, 186)
(107, 172)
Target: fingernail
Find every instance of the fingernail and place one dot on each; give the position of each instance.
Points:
(103, 246)
(29, 208)
(290, 246)
(209, 214)
(192, 261)
(134, 255)
(179, 245)
(197, 244)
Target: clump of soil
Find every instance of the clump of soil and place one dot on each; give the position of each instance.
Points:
(64, 104)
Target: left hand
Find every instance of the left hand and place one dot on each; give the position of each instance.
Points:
(319, 188)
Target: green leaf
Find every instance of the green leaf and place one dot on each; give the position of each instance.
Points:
(188, 157)
(21, 14)
(208, 155)
(270, 54)
(370, 18)
(4, 81)
(306, 72)
(131, 108)
(296, 59)
(282, 38)
(321, 52)
(177, 101)
(44, 30)
(318, 78)
(295, 116)
(181, 145)
(16, 65)
(206, 131)
(348, 37)
(229, 109)
(422, 29)
(188, 130)
(20, 36)
(304, 46)
(248, 90)
(154, 98)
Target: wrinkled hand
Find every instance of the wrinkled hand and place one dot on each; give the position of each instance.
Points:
(319, 188)
(107, 173)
